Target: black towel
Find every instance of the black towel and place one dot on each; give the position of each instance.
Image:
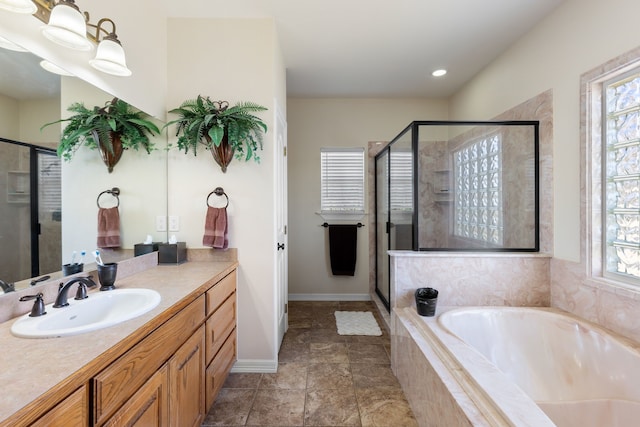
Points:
(343, 241)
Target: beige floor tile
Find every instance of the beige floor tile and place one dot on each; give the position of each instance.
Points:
(337, 407)
(277, 408)
(290, 353)
(329, 376)
(366, 375)
(290, 376)
(384, 406)
(367, 353)
(231, 407)
(241, 380)
(328, 352)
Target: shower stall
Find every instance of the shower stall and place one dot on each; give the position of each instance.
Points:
(30, 210)
(456, 186)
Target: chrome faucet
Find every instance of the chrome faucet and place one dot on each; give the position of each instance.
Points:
(84, 282)
(7, 287)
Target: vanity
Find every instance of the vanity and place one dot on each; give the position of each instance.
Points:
(163, 368)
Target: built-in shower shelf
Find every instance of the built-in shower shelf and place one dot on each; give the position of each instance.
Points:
(18, 187)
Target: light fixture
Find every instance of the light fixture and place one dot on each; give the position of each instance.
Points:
(53, 68)
(67, 26)
(18, 6)
(439, 73)
(8, 44)
(110, 57)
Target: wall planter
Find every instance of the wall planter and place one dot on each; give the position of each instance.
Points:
(111, 129)
(226, 131)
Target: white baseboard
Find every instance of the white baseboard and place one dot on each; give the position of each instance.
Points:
(258, 366)
(329, 297)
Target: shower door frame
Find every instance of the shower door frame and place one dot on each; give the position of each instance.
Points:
(34, 203)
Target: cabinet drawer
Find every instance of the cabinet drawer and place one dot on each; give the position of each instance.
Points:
(219, 325)
(218, 370)
(117, 383)
(148, 407)
(72, 411)
(220, 292)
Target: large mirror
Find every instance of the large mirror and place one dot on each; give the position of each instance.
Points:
(29, 98)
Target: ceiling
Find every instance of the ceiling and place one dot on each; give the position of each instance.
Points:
(382, 48)
(357, 48)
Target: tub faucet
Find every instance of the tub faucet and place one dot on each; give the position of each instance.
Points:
(7, 287)
(84, 282)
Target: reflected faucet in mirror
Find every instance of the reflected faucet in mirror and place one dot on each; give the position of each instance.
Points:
(7, 287)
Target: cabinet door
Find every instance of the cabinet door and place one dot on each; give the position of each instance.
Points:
(71, 412)
(218, 370)
(186, 382)
(148, 407)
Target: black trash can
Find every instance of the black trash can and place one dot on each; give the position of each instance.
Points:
(426, 300)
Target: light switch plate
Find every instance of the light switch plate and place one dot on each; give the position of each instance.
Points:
(174, 223)
(161, 223)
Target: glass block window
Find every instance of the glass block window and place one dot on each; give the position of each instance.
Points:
(478, 190)
(342, 180)
(621, 172)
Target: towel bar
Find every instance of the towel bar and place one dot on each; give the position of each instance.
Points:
(115, 192)
(325, 225)
(219, 191)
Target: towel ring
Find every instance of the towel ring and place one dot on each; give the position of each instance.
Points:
(115, 192)
(219, 191)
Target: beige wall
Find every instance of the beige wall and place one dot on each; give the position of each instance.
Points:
(243, 64)
(141, 178)
(578, 36)
(9, 117)
(317, 123)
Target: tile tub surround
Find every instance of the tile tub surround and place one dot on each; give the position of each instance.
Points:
(448, 384)
(471, 279)
(52, 368)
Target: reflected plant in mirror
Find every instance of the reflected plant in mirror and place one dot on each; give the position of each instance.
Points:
(111, 129)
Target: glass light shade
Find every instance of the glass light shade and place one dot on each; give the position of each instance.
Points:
(67, 27)
(8, 44)
(19, 6)
(110, 59)
(53, 68)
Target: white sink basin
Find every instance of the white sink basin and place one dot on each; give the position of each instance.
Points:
(100, 310)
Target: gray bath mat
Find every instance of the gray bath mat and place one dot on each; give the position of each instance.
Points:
(357, 323)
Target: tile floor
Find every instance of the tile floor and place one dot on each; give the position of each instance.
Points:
(323, 379)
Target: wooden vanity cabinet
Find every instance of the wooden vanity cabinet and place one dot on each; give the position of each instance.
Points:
(220, 333)
(172, 376)
(71, 412)
(149, 406)
(186, 383)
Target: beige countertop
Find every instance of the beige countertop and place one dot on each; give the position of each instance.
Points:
(32, 369)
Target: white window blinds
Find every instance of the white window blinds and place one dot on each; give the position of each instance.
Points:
(342, 180)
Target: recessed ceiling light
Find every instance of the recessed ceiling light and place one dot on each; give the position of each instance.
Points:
(439, 73)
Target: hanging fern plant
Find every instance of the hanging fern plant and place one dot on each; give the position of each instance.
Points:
(226, 131)
(112, 128)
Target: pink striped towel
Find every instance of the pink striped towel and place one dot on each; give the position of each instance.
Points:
(215, 228)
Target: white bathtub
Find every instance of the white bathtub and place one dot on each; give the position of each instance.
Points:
(579, 374)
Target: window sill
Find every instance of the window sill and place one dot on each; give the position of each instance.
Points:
(342, 216)
(618, 288)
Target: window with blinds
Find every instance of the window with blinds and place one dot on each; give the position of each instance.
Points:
(342, 180)
(49, 184)
(401, 180)
(621, 167)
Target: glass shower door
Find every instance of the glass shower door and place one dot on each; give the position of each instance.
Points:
(382, 224)
(48, 227)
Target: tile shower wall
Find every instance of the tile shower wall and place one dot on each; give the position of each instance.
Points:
(519, 279)
(471, 279)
